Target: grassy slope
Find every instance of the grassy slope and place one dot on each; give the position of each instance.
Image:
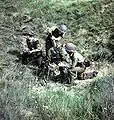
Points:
(86, 22)
(21, 95)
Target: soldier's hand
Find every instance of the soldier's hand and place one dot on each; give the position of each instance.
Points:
(29, 52)
(63, 64)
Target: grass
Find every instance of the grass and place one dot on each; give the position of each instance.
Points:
(87, 24)
(22, 96)
(48, 102)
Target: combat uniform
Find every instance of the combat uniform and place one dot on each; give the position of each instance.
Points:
(78, 64)
(59, 59)
(32, 50)
(55, 34)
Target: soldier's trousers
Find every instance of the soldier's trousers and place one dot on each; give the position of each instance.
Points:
(73, 73)
(80, 74)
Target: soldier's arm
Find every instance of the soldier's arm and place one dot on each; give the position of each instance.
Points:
(35, 50)
(74, 61)
(50, 54)
(28, 44)
(64, 55)
(24, 45)
(80, 57)
(38, 47)
(55, 40)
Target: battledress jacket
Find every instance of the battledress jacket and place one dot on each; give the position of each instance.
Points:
(31, 44)
(52, 40)
(76, 57)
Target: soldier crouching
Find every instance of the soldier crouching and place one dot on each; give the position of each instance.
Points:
(58, 58)
(78, 64)
(32, 52)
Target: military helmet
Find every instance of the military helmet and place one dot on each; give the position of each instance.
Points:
(62, 28)
(70, 47)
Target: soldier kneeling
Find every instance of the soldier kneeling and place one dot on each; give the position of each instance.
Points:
(78, 64)
(58, 59)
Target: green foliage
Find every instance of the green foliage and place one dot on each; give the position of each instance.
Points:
(87, 21)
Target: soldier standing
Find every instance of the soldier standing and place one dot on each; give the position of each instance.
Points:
(55, 34)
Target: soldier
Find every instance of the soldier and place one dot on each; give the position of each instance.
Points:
(32, 49)
(58, 58)
(55, 34)
(78, 63)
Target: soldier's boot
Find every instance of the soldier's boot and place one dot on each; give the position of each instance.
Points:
(88, 75)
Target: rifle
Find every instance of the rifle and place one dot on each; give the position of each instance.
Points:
(44, 70)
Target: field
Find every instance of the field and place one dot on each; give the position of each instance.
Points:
(90, 27)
